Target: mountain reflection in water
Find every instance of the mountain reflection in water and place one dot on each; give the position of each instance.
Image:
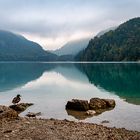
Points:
(120, 79)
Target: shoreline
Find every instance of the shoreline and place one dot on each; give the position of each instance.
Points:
(74, 62)
(52, 129)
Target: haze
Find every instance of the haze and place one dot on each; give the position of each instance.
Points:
(52, 23)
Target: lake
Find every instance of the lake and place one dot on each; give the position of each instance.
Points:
(50, 85)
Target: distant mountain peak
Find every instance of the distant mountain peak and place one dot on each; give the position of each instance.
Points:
(72, 47)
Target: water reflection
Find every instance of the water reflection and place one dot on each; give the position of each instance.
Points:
(14, 75)
(82, 115)
(79, 115)
(120, 79)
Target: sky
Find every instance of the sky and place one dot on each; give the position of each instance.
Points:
(52, 23)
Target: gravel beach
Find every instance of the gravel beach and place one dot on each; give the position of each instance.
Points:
(51, 129)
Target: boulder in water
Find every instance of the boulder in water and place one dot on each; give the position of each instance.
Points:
(78, 105)
(97, 103)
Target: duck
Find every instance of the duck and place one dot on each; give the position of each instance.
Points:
(16, 99)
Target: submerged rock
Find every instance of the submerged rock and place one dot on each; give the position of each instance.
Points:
(32, 115)
(105, 121)
(90, 112)
(21, 107)
(6, 112)
(79, 105)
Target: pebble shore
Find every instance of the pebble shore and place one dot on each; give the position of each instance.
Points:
(51, 129)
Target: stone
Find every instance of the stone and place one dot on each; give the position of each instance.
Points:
(20, 107)
(105, 121)
(32, 115)
(78, 105)
(6, 112)
(81, 109)
(96, 103)
(110, 102)
(7, 131)
(90, 112)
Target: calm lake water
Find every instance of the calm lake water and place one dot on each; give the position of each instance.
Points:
(50, 86)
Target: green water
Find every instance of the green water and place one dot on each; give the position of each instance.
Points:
(50, 86)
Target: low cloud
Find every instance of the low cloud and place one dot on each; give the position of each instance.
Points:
(64, 19)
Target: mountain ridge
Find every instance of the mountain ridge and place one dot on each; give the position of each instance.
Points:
(14, 47)
(122, 44)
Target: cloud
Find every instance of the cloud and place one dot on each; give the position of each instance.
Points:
(57, 19)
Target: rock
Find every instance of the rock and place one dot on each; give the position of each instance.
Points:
(110, 102)
(90, 112)
(6, 112)
(81, 109)
(7, 131)
(32, 115)
(105, 121)
(79, 105)
(96, 103)
(20, 107)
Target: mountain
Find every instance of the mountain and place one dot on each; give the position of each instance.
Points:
(105, 31)
(121, 44)
(15, 47)
(72, 47)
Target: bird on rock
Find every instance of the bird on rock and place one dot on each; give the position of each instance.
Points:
(16, 99)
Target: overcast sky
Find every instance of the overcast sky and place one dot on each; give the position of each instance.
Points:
(52, 23)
